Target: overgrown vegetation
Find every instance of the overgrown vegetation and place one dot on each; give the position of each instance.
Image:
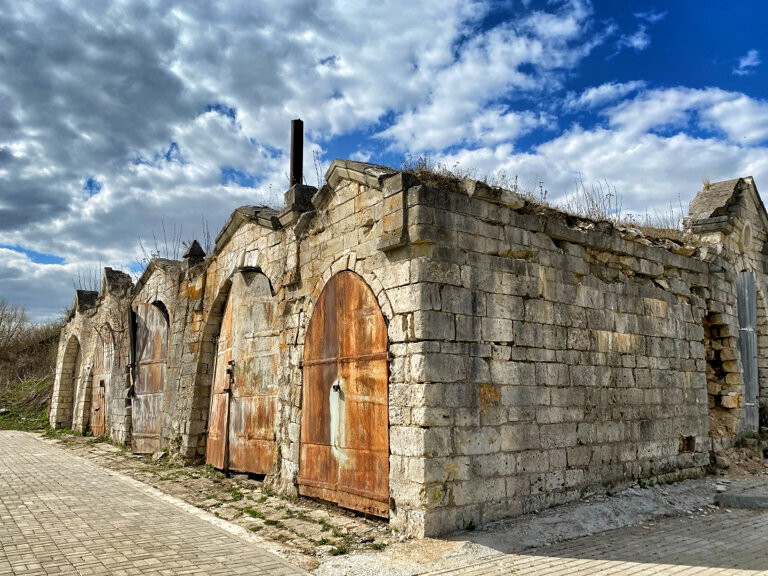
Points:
(599, 201)
(27, 365)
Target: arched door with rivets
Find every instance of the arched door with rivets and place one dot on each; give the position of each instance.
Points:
(344, 456)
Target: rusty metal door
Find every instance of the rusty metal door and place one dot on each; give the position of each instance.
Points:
(344, 455)
(102, 367)
(241, 434)
(151, 358)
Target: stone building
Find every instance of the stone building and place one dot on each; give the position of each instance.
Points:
(438, 352)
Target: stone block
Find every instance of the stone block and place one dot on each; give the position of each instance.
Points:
(498, 330)
(430, 325)
(520, 436)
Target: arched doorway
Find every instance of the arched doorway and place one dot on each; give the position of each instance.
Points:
(102, 368)
(345, 415)
(241, 434)
(69, 383)
(152, 325)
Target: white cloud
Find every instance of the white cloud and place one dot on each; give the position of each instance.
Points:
(638, 41)
(649, 171)
(742, 119)
(598, 96)
(652, 16)
(524, 57)
(747, 62)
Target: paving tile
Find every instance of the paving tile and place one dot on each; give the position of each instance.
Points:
(724, 543)
(61, 515)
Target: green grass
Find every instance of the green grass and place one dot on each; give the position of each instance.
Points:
(99, 439)
(236, 494)
(341, 547)
(60, 433)
(253, 513)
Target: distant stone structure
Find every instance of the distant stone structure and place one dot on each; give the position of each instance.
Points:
(438, 352)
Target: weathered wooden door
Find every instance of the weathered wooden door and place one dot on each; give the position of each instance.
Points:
(344, 455)
(102, 368)
(747, 306)
(151, 358)
(241, 434)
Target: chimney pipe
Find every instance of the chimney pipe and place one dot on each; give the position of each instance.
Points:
(297, 152)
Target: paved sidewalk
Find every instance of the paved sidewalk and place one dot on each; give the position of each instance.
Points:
(726, 543)
(61, 515)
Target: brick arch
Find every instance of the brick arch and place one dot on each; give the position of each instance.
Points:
(69, 374)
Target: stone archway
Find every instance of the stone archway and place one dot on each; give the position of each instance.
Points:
(241, 429)
(344, 445)
(102, 370)
(152, 328)
(69, 383)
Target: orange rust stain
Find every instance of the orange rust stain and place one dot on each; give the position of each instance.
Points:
(488, 395)
(194, 292)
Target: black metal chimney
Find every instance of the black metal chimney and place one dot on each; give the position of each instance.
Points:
(297, 152)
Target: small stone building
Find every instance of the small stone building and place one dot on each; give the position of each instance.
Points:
(437, 352)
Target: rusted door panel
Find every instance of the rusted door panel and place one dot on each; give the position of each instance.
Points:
(102, 366)
(152, 353)
(216, 443)
(318, 381)
(366, 410)
(242, 420)
(344, 455)
(251, 434)
(325, 342)
(146, 433)
(98, 426)
(320, 461)
(214, 448)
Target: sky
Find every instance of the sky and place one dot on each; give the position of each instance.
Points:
(129, 126)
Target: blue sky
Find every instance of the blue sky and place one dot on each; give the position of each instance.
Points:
(120, 120)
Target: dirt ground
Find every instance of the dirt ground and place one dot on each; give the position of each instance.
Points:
(328, 540)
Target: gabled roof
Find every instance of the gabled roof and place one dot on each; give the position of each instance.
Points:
(264, 215)
(156, 263)
(715, 207)
(715, 199)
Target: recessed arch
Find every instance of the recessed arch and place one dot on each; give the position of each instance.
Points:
(101, 374)
(344, 445)
(244, 380)
(69, 383)
(152, 329)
